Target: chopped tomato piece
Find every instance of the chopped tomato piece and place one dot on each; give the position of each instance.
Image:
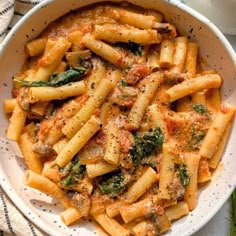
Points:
(136, 73)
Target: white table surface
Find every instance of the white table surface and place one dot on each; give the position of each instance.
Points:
(219, 225)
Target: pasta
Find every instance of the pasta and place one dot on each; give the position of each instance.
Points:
(31, 158)
(17, 122)
(78, 141)
(117, 119)
(87, 110)
(193, 85)
(115, 33)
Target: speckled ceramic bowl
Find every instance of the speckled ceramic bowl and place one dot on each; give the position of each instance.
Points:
(215, 50)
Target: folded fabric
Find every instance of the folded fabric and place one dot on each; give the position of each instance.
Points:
(6, 13)
(12, 222)
(11, 11)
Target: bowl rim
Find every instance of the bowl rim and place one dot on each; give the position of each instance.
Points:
(181, 6)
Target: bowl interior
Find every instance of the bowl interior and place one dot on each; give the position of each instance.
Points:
(215, 52)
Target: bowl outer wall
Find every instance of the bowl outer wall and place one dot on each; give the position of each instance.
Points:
(215, 50)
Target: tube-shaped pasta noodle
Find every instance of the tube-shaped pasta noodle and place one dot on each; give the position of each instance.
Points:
(157, 119)
(193, 85)
(46, 93)
(153, 60)
(57, 122)
(163, 222)
(146, 227)
(135, 210)
(112, 153)
(144, 98)
(61, 67)
(216, 130)
(135, 19)
(36, 46)
(215, 159)
(118, 33)
(45, 185)
(70, 215)
(59, 145)
(52, 61)
(129, 226)
(204, 173)
(213, 98)
(190, 195)
(99, 168)
(17, 122)
(49, 45)
(166, 53)
(97, 75)
(30, 128)
(191, 59)
(140, 229)
(9, 104)
(50, 172)
(185, 104)
(181, 44)
(112, 209)
(59, 48)
(166, 172)
(199, 98)
(43, 73)
(78, 141)
(77, 121)
(75, 38)
(110, 225)
(158, 15)
(108, 110)
(141, 185)
(39, 109)
(177, 211)
(104, 50)
(31, 158)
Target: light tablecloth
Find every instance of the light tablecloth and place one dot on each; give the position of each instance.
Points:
(12, 222)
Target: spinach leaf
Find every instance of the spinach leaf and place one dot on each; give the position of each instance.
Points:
(68, 181)
(114, 186)
(73, 171)
(145, 145)
(150, 161)
(135, 48)
(183, 174)
(202, 109)
(57, 80)
(196, 138)
(123, 82)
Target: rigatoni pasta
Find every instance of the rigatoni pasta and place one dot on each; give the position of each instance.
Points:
(117, 120)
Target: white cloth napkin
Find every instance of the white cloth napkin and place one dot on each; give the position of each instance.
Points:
(12, 221)
(6, 13)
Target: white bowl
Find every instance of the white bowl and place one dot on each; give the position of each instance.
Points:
(215, 50)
